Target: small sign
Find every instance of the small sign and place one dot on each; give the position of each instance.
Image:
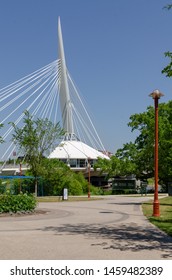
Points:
(65, 194)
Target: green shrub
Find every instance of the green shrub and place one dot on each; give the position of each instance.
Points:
(23, 185)
(17, 203)
(2, 187)
(75, 187)
(95, 190)
(124, 191)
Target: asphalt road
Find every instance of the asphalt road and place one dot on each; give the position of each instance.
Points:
(113, 228)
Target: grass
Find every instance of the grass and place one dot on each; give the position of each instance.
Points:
(164, 222)
(70, 198)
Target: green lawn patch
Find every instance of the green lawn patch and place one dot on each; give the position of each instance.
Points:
(70, 198)
(164, 222)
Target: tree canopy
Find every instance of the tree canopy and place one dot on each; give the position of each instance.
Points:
(168, 69)
(57, 176)
(35, 139)
(137, 157)
(141, 152)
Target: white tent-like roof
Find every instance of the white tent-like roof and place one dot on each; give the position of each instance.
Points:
(76, 150)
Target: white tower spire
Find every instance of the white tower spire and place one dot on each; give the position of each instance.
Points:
(65, 100)
(77, 154)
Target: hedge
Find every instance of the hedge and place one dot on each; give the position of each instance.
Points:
(17, 203)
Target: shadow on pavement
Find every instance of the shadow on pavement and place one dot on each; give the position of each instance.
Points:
(123, 238)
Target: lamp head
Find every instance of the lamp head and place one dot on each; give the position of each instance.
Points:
(156, 94)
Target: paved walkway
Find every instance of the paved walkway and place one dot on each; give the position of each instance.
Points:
(113, 228)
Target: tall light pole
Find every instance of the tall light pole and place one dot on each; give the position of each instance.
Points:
(156, 94)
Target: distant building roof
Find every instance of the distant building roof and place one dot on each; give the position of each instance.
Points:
(76, 150)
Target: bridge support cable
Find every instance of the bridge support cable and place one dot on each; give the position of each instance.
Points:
(39, 93)
(28, 108)
(87, 134)
(36, 93)
(6, 92)
(23, 92)
(28, 97)
(48, 107)
(86, 117)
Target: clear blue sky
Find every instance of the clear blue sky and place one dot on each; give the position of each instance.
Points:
(114, 52)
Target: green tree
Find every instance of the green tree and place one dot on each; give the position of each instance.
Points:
(141, 151)
(53, 173)
(168, 69)
(117, 165)
(57, 176)
(34, 140)
(106, 166)
(165, 142)
(166, 153)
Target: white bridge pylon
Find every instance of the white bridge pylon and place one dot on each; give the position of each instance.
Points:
(49, 93)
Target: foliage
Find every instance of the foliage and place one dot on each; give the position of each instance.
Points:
(168, 7)
(95, 190)
(54, 177)
(138, 157)
(168, 69)
(106, 166)
(35, 139)
(124, 191)
(141, 151)
(57, 175)
(84, 183)
(17, 203)
(2, 187)
(116, 166)
(23, 185)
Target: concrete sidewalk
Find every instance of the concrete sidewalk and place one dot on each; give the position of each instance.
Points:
(113, 228)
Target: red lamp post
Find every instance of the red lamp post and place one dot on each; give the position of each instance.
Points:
(156, 94)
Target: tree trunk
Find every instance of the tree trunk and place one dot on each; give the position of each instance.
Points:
(36, 187)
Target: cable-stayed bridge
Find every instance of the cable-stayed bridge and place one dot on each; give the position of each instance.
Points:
(49, 92)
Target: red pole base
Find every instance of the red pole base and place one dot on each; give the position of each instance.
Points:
(156, 212)
(88, 194)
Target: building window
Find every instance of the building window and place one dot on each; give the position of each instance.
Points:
(73, 163)
(81, 163)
